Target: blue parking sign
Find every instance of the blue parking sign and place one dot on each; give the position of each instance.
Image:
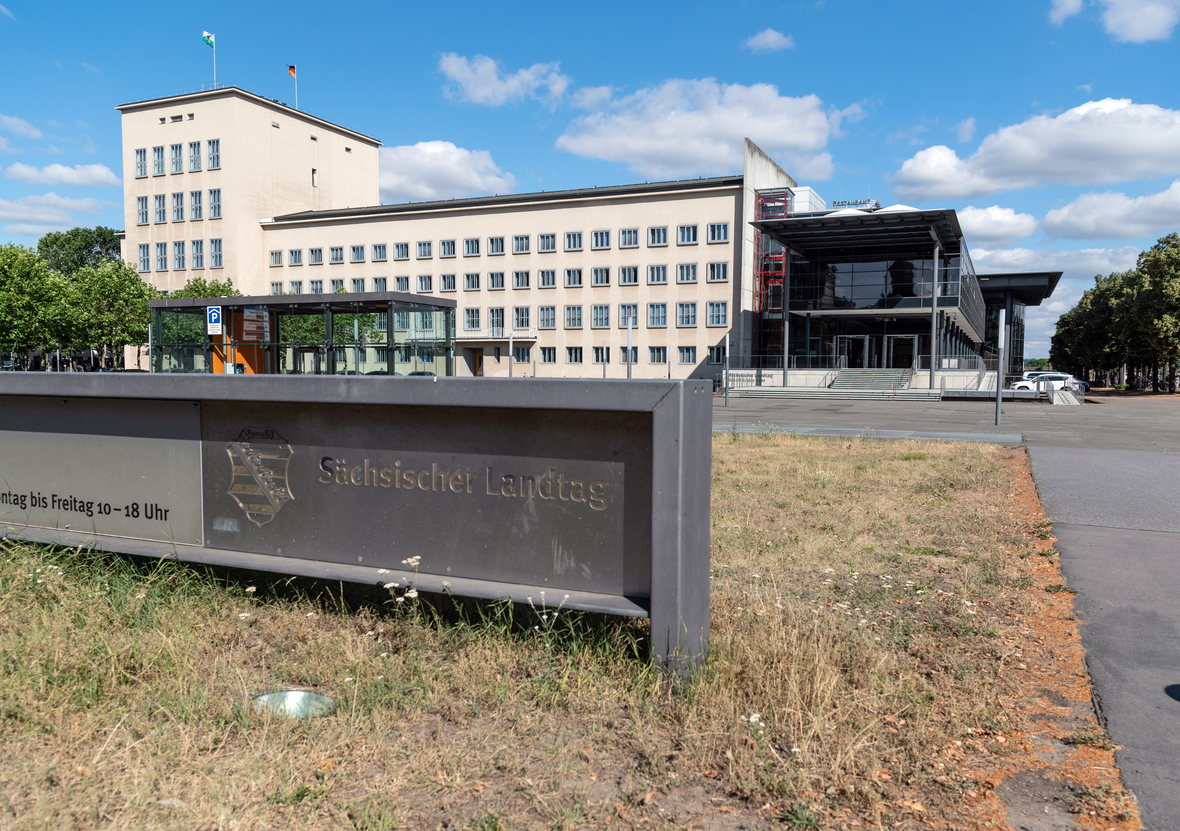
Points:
(213, 320)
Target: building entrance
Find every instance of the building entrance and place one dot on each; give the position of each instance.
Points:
(854, 351)
(474, 361)
(900, 351)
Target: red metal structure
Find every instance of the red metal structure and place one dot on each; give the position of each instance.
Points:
(769, 272)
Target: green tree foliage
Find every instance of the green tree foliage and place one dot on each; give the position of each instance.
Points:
(200, 287)
(66, 252)
(36, 308)
(112, 303)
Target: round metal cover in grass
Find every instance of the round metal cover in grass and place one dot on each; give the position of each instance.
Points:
(294, 703)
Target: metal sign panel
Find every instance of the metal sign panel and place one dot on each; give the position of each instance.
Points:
(213, 320)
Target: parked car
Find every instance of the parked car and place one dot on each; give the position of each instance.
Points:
(1047, 381)
(1033, 373)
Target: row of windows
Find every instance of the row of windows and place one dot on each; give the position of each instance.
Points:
(686, 273)
(175, 158)
(716, 314)
(546, 243)
(181, 252)
(601, 354)
(160, 207)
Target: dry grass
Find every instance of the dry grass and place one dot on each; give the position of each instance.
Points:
(857, 592)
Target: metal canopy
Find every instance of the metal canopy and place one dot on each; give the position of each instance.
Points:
(1029, 287)
(865, 234)
(311, 301)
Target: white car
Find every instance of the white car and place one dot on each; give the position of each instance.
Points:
(1048, 381)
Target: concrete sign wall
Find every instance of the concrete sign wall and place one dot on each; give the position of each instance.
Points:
(596, 490)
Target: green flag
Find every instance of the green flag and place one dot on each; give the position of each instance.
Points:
(208, 38)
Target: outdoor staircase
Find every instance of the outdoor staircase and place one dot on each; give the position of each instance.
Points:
(851, 385)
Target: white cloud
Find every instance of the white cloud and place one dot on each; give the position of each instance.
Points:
(6, 12)
(481, 80)
(592, 98)
(965, 130)
(94, 175)
(1063, 9)
(439, 170)
(5, 147)
(1116, 216)
(853, 113)
(1099, 142)
(995, 225)
(18, 127)
(36, 215)
(768, 40)
(693, 127)
(1128, 21)
(1085, 88)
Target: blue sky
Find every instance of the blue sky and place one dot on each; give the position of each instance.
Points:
(1052, 126)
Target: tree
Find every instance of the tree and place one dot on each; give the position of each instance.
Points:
(200, 287)
(37, 309)
(112, 302)
(66, 252)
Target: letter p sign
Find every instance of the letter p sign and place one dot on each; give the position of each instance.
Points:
(213, 320)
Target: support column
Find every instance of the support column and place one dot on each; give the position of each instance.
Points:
(934, 315)
(330, 339)
(786, 305)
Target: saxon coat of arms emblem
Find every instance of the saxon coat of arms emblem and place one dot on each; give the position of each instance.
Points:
(259, 485)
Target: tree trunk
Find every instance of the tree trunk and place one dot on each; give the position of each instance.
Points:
(1155, 372)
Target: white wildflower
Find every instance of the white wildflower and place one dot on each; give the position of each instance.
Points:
(411, 593)
(251, 589)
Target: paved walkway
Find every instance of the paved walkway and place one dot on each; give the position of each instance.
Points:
(1109, 476)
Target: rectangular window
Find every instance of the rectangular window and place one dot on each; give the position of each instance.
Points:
(358, 285)
(141, 210)
(495, 281)
(718, 272)
(718, 232)
(381, 323)
(425, 282)
(157, 161)
(379, 285)
(336, 254)
(177, 151)
(401, 321)
(470, 282)
(337, 286)
(178, 207)
(317, 286)
(657, 236)
(495, 245)
(573, 354)
(471, 248)
(520, 279)
(276, 258)
(194, 156)
(194, 205)
(161, 256)
(521, 354)
(379, 253)
(717, 313)
(657, 354)
(315, 256)
(315, 180)
(686, 314)
(600, 240)
(687, 235)
(573, 278)
(686, 273)
(178, 256)
(546, 243)
(688, 354)
(276, 288)
(446, 282)
(424, 251)
(214, 152)
(573, 241)
(628, 313)
(471, 319)
(599, 316)
(548, 354)
(403, 284)
(634, 357)
(296, 286)
(215, 203)
(446, 248)
(520, 317)
(629, 275)
(717, 354)
(520, 245)
(141, 163)
(161, 206)
(198, 249)
(573, 317)
(602, 354)
(401, 251)
(496, 320)
(547, 317)
(657, 275)
(629, 238)
(145, 257)
(295, 256)
(357, 254)
(215, 259)
(657, 315)
(600, 277)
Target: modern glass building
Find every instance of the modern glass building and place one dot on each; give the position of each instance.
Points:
(373, 333)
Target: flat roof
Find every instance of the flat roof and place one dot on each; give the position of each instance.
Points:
(517, 199)
(809, 234)
(272, 103)
(1030, 287)
(316, 300)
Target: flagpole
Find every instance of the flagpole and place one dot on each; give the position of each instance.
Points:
(296, 89)
(215, 63)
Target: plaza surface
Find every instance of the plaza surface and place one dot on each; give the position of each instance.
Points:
(1108, 474)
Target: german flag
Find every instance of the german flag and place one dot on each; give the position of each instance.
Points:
(291, 71)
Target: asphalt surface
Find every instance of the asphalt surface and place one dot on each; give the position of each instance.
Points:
(1108, 474)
